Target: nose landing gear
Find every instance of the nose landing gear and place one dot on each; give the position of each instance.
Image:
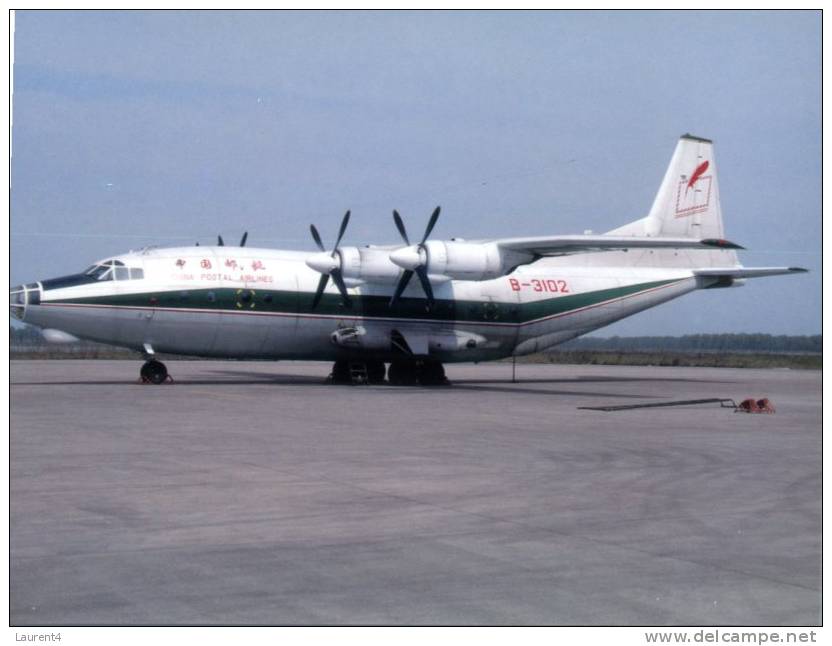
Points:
(155, 372)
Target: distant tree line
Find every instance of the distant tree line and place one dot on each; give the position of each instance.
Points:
(761, 343)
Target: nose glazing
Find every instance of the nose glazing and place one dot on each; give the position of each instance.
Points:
(21, 296)
(17, 301)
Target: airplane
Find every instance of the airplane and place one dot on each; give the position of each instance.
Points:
(360, 307)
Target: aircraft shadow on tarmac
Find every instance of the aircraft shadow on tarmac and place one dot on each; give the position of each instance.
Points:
(248, 378)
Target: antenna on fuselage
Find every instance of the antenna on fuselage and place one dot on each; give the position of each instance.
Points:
(221, 242)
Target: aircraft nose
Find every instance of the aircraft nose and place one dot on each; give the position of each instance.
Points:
(21, 296)
(17, 302)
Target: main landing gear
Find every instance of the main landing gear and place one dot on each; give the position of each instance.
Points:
(154, 372)
(423, 372)
(357, 372)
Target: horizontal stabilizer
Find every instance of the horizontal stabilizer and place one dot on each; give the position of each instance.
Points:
(747, 272)
(564, 245)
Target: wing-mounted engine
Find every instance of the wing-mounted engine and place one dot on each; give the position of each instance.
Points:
(458, 260)
(328, 264)
(438, 260)
(431, 261)
(368, 264)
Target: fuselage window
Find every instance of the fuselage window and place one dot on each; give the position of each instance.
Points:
(212, 297)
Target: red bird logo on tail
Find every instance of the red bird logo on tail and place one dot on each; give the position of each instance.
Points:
(697, 174)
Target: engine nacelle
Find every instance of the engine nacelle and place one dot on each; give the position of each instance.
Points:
(450, 259)
(368, 263)
(463, 260)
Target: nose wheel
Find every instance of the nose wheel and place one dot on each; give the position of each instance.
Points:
(154, 372)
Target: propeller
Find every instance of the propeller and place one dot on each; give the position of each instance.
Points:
(413, 259)
(329, 264)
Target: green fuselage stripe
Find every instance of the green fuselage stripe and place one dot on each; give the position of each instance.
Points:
(287, 303)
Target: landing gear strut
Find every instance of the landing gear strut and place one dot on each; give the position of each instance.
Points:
(375, 372)
(403, 373)
(154, 372)
(357, 372)
(431, 373)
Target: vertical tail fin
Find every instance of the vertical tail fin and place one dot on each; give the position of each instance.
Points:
(687, 204)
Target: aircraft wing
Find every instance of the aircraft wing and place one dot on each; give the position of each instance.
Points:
(747, 272)
(565, 245)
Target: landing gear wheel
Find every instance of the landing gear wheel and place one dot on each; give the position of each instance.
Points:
(375, 372)
(340, 373)
(154, 372)
(402, 373)
(432, 373)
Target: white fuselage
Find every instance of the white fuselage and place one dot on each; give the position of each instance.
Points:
(256, 303)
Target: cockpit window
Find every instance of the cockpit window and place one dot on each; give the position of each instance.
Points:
(113, 270)
(98, 272)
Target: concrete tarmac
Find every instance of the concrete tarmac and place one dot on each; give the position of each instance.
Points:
(251, 493)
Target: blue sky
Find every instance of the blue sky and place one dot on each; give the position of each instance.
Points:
(135, 128)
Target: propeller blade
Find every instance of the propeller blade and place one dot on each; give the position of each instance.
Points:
(220, 241)
(343, 228)
(422, 273)
(316, 237)
(243, 241)
(405, 279)
(431, 223)
(400, 226)
(339, 283)
(319, 292)
(317, 263)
